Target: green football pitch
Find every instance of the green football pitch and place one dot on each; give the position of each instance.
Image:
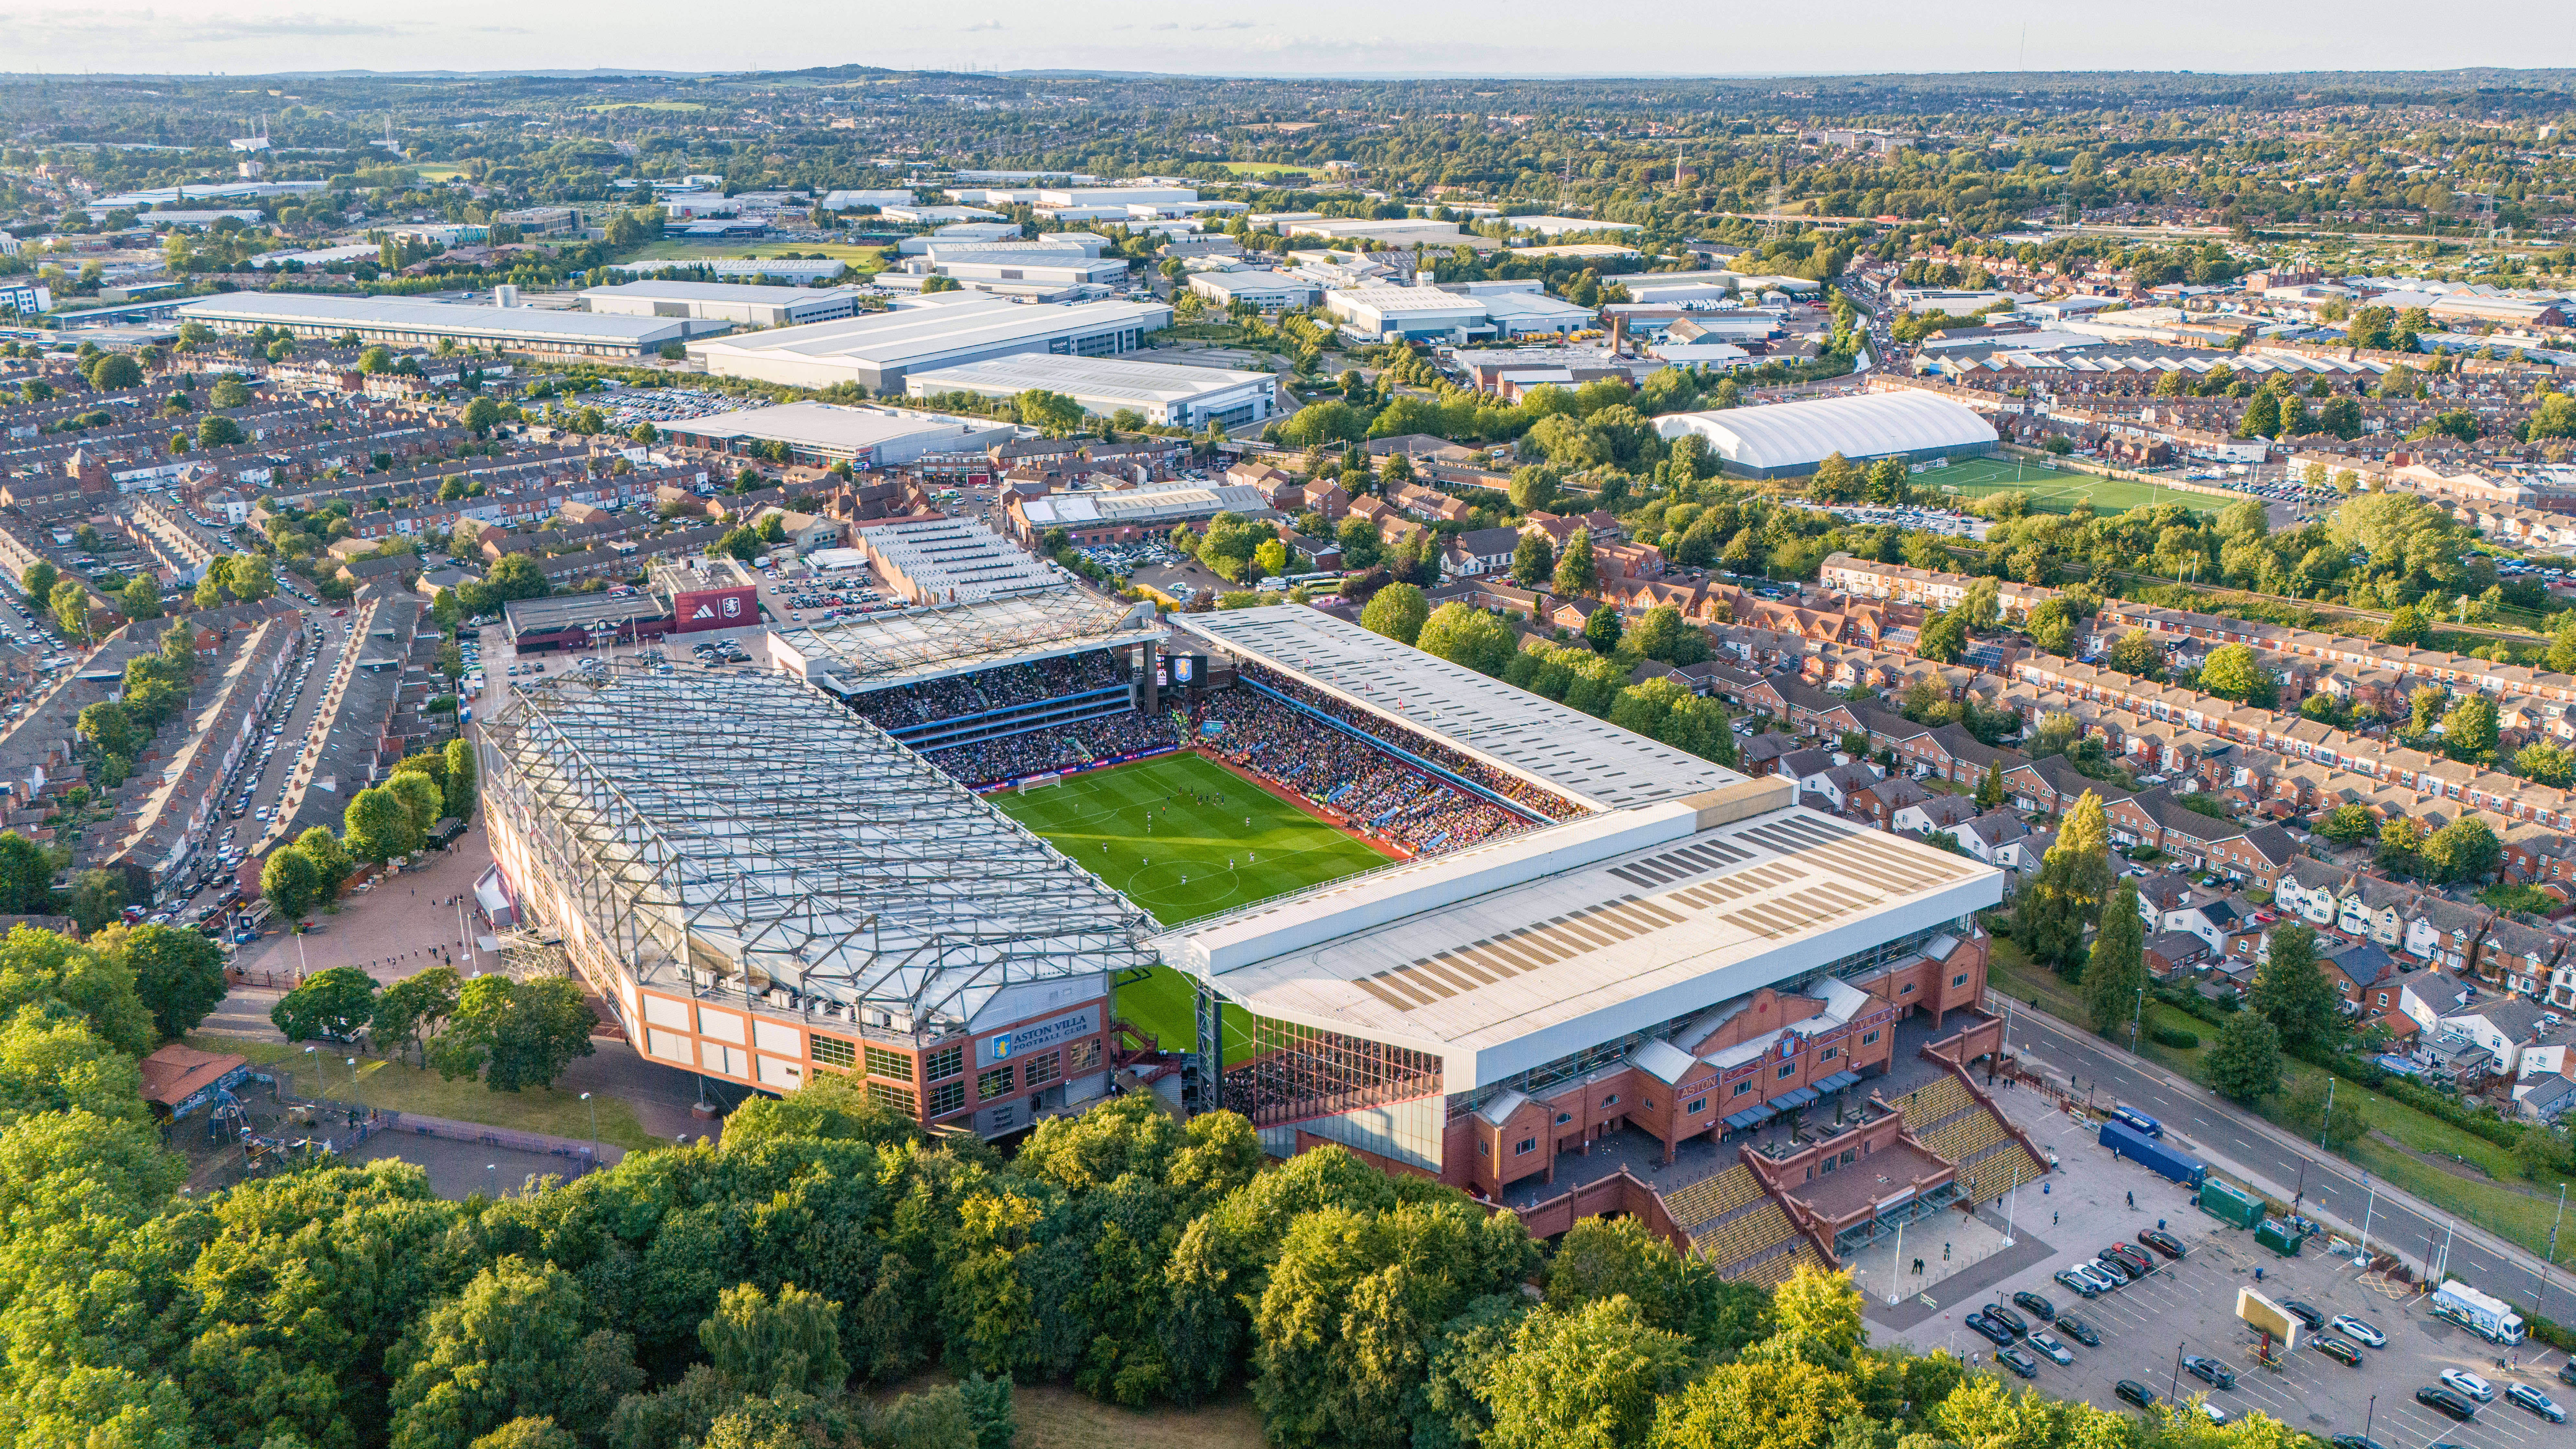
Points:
(2054, 490)
(1184, 838)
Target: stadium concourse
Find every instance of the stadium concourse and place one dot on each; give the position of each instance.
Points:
(1611, 976)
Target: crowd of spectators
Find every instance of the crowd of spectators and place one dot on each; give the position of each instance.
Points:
(1008, 687)
(1373, 788)
(1511, 787)
(1056, 747)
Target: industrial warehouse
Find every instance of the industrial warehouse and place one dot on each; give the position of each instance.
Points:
(878, 350)
(1162, 393)
(827, 433)
(1786, 439)
(1639, 962)
(397, 321)
(744, 303)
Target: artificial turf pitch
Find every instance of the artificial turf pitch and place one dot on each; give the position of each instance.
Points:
(2054, 490)
(1143, 829)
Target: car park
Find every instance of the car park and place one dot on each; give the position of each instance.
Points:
(2209, 1371)
(2137, 1393)
(2336, 1348)
(2443, 1400)
(2358, 1331)
(2461, 1381)
(2526, 1397)
(2038, 1307)
(2079, 1330)
(2047, 1343)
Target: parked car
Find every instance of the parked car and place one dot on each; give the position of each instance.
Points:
(2527, 1397)
(1992, 1330)
(2356, 1441)
(2018, 1361)
(2304, 1313)
(2038, 1307)
(2209, 1371)
(2136, 1260)
(2215, 1414)
(2445, 1401)
(2162, 1241)
(2461, 1381)
(2120, 1274)
(1997, 1313)
(2353, 1328)
(2047, 1343)
(2079, 1330)
(2136, 1393)
(2077, 1284)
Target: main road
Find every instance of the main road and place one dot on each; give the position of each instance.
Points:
(2327, 1185)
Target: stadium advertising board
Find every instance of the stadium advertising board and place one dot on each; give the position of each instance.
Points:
(1022, 1041)
(696, 609)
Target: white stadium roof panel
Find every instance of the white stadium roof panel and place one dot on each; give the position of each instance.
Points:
(1797, 434)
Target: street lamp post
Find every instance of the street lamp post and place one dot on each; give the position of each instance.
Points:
(2329, 1112)
(2537, 1278)
(2134, 1018)
(2368, 1414)
(494, 1169)
(594, 1129)
(2173, 1390)
(2370, 1199)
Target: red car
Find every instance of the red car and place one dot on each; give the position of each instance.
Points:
(339, 613)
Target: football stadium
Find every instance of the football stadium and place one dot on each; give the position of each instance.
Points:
(998, 860)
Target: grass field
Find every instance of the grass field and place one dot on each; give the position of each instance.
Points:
(670, 249)
(2052, 490)
(1142, 829)
(398, 1086)
(646, 106)
(1266, 168)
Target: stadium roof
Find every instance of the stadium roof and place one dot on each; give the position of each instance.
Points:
(746, 826)
(876, 651)
(1589, 759)
(1797, 434)
(1519, 952)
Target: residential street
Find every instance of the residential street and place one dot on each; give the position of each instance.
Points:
(2334, 1189)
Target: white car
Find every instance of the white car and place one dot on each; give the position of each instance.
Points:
(2465, 1382)
(2358, 1331)
(2093, 1274)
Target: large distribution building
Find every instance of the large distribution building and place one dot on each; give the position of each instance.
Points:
(880, 349)
(828, 433)
(397, 321)
(1163, 393)
(1786, 439)
(750, 305)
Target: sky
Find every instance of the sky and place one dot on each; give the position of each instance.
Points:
(1309, 37)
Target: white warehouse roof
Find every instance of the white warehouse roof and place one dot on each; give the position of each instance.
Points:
(1797, 434)
(971, 326)
(1115, 381)
(506, 325)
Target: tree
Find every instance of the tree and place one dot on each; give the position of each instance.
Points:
(2345, 824)
(2052, 912)
(1533, 487)
(1765, 1403)
(1398, 611)
(111, 728)
(1361, 546)
(515, 1343)
(2546, 763)
(141, 599)
(230, 392)
(517, 576)
(70, 603)
(2232, 672)
(1270, 559)
(1052, 413)
(420, 798)
(481, 416)
(98, 895)
(1944, 637)
(2341, 1127)
(2405, 626)
(459, 786)
(1990, 790)
(1982, 605)
(1586, 1379)
(2117, 970)
(2138, 655)
(2401, 846)
(415, 1009)
(1662, 633)
(290, 884)
(40, 578)
(2246, 1063)
(516, 1034)
(1464, 634)
(331, 1004)
(250, 578)
(378, 826)
(767, 1346)
(179, 974)
(2464, 850)
(26, 877)
(332, 864)
(2294, 991)
(1602, 628)
(1533, 559)
(1576, 573)
(2469, 730)
(217, 431)
(114, 372)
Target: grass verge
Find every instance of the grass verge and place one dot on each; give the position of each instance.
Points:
(401, 1087)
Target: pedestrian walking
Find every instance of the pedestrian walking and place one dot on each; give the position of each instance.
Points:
(2133, 1200)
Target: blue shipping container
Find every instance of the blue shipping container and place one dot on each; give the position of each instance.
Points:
(2127, 1141)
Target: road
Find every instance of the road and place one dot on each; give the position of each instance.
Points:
(2333, 1187)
